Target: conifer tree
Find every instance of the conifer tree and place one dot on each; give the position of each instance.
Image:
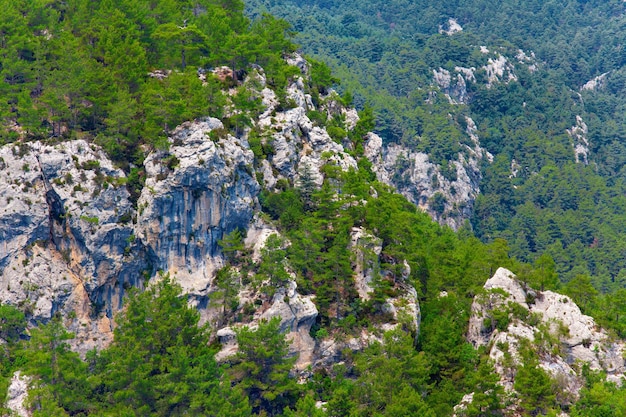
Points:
(262, 368)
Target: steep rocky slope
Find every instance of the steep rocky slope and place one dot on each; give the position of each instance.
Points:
(195, 193)
(74, 240)
(67, 241)
(448, 200)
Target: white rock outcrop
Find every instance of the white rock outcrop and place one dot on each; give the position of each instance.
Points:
(17, 395)
(549, 317)
(414, 176)
(580, 143)
(451, 27)
(453, 84)
(499, 70)
(529, 60)
(298, 145)
(596, 83)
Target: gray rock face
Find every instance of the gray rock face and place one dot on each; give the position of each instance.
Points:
(67, 241)
(580, 143)
(453, 85)
(367, 249)
(73, 241)
(597, 83)
(413, 175)
(194, 195)
(298, 314)
(451, 27)
(579, 338)
(67, 238)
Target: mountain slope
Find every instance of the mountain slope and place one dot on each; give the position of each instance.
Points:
(543, 89)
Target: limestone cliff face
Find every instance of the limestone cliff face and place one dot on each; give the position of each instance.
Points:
(73, 241)
(448, 200)
(561, 335)
(194, 194)
(66, 234)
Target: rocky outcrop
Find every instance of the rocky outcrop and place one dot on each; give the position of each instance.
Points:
(448, 200)
(403, 311)
(580, 143)
(529, 60)
(509, 313)
(367, 268)
(17, 395)
(596, 83)
(367, 249)
(451, 27)
(298, 314)
(299, 146)
(67, 239)
(201, 189)
(499, 69)
(453, 86)
(73, 240)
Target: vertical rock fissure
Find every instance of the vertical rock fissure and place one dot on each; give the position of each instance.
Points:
(56, 211)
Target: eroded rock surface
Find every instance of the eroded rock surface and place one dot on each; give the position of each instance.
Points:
(560, 334)
(67, 237)
(197, 192)
(448, 200)
(73, 240)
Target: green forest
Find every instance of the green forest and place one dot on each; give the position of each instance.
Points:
(385, 53)
(84, 69)
(91, 69)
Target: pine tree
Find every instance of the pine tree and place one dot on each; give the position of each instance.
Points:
(262, 367)
(306, 186)
(534, 386)
(160, 363)
(488, 393)
(232, 244)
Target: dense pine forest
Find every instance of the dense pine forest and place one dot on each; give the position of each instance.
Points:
(80, 69)
(123, 75)
(537, 194)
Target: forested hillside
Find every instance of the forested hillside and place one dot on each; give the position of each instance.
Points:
(194, 224)
(98, 70)
(555, 187)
